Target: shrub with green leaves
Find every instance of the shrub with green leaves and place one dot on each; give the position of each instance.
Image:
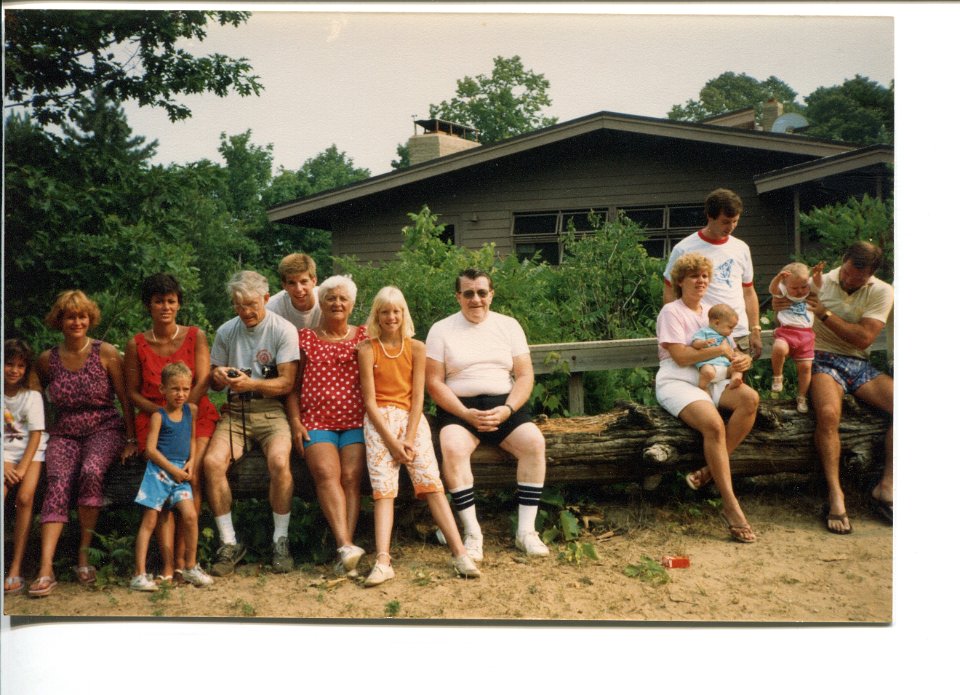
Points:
(834, 227)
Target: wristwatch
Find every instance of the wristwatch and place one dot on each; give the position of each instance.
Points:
(827, 314)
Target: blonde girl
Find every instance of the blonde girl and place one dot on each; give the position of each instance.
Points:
(392, 367)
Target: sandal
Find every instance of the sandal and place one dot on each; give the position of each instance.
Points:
(695, 480)
(13, 585)
(42, 586)
(841, 518)
(742, 533)
(86, 574)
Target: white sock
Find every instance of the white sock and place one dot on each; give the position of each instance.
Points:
(225, 526)
(463, 503)
(528, 496)
(281, 522)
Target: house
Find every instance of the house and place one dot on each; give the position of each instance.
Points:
(522, 192)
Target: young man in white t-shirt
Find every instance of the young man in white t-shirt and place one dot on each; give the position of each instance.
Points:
(480, 375)
(732, 281)
(254, 355)
(299, 300)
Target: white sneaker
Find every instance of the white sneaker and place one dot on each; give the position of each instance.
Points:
(802, 406)
(464, 566)
(777, 385)
(197, 576)
(350, 555)
(142, 582)
(531, 544)
(379, 574)
(474, 546)
(441, 539)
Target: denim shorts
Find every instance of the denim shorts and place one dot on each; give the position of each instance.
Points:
(850, 372)
(339, 438)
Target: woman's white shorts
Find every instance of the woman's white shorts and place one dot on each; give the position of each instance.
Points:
(676, 387)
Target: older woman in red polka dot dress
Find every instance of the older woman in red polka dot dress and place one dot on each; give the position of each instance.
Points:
(326, 414)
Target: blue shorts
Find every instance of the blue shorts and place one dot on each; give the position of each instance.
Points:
(159, 491)
(339, 438)
(850, 372)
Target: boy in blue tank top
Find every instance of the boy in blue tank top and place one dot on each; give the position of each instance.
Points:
(170, 449)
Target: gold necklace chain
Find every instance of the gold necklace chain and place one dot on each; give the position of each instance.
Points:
(384, 348)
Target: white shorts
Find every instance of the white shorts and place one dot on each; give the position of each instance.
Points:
(677, 387)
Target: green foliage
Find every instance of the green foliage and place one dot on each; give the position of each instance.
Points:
(732, 92)
(858, 111)
(392, 609)
(54, 59)
(834, 227)
(647, 570)
(115, 557)
(508, 102)
(559, 521)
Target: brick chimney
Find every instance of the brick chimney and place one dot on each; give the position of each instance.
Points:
(438, 139)
(772, 110)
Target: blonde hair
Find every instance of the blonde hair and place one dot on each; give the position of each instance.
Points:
(798, 269)
(175, 369)
(296, 263)
(72, 301)
(389, 296)
(688, 264)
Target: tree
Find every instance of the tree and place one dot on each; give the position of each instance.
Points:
(55, 58)
(730, 92)
(509, 102)
(858, 111)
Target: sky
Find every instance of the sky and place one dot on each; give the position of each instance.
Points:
(356, 79)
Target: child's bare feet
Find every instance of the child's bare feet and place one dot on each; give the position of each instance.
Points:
(736, 379)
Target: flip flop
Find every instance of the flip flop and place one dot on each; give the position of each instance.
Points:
(884, 509)
(86, 574)
(695, 480)
(740, 533)
(842, 518)
(42, 586)
(13, 585)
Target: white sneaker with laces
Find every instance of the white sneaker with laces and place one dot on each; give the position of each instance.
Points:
(777, 385)
(379, 574)
(197, 576)
(142, 582)
(474, 546)
(350, 555)
(464, 566)
(802, 406)
(531, 544)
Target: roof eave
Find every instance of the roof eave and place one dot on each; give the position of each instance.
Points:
(822, 168)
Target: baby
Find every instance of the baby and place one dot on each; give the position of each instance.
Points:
(794, 335)
(723, 319)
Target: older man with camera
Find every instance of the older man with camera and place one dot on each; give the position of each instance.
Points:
(254, 356)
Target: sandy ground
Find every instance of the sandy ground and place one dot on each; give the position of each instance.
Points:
(795, 572)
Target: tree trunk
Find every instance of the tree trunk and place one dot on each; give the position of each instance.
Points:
(630, 443)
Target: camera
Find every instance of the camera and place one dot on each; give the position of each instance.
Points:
(233, 374)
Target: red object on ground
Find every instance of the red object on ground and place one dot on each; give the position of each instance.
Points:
(675, 561)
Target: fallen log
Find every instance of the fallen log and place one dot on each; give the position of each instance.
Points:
(632, 443)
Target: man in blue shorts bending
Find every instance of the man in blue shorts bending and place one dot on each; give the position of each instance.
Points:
(850, 312)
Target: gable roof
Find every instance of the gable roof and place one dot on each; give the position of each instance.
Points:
(873, 158)
(604, 120)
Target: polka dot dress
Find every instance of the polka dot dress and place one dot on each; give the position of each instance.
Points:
(330, 397)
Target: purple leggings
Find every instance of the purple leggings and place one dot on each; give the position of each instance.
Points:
(81, 462)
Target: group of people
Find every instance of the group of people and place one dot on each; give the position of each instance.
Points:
(349, 398)
(297, 374)
(708, 334)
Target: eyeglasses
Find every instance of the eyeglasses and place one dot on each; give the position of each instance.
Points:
(470, 294)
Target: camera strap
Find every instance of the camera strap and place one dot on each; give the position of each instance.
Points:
(243, 426)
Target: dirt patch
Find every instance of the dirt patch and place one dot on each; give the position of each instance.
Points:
(795, 572)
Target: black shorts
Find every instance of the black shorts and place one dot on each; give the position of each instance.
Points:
(486, 403)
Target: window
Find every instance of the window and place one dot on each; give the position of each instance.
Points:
(540, 231)
(665, 224)
(449, 234)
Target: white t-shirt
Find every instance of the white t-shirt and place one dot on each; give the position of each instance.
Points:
(797, 315)
(22, 414)
(873, 301)
(732, 271)
(677, 323)
(282, 305)
(271, 342)
(477, 357)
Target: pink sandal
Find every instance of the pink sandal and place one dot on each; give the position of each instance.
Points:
(86, 574)
(42, 586)
(13, 585)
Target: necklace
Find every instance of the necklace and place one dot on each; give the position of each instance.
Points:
(172, 339)
(335, 336)
(384, 348)
(80, 351)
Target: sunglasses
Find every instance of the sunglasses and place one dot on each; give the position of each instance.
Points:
(470, 294)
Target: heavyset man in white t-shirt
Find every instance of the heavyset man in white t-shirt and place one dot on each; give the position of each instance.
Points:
(480, 375)
(732, 281)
